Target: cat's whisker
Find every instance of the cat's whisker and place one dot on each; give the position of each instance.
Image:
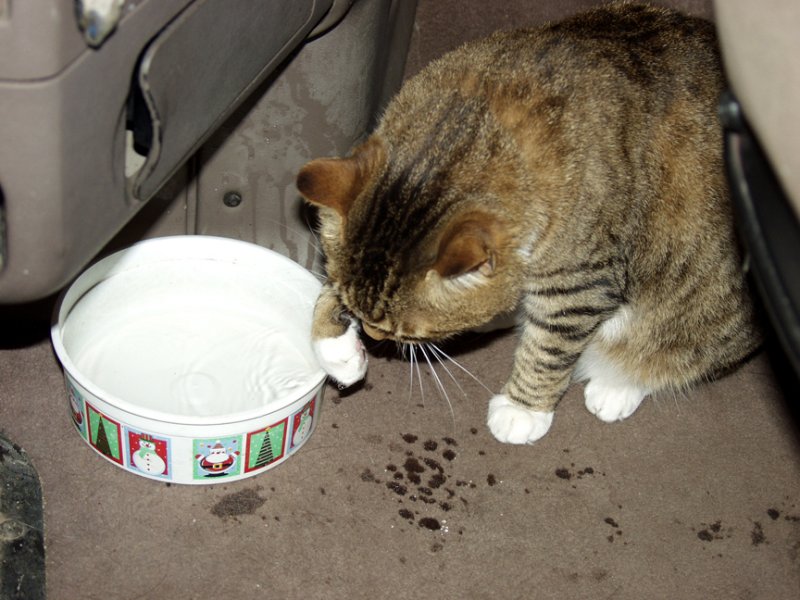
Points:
(380, 345)
(440, 385)
(439, 357)
(676, 399)
(323, 277)
(414, 366)
(668, 393)
(419, 374)
(301, 233)
(462, 367)
(410, 370)
(313, 230)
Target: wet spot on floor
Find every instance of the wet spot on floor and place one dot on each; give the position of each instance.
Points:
(773, 513)
(244, 502)
(563, 473)
(757, 536)
(367, 475)
(711, 532)
(397, 488)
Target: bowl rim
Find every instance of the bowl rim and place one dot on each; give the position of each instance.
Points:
(57, 322)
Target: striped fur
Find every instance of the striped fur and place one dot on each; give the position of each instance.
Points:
(574, 171)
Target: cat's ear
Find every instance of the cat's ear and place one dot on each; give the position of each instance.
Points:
(469, 245)
(337, 182)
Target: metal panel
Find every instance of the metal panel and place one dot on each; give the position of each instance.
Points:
(204, 64)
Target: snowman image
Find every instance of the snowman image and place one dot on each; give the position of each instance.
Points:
(304, 428)
(146, 458)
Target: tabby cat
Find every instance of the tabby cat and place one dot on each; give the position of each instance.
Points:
(573, 172)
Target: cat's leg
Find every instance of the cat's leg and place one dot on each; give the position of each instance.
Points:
(560, 319)
(611, 400)
(523, 413)
(513, 423)
(336, 341)
(610, 394)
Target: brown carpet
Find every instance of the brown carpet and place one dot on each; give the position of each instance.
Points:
(695, 496)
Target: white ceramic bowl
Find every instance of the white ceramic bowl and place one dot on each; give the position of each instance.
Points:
(188, 359)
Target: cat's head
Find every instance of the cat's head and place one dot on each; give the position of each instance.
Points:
(420, 231)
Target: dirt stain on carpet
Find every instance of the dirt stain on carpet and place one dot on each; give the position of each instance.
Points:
(244, 502)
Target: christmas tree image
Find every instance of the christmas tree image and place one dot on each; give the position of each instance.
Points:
(101, 440)
(265, 455)
(265, 446)
(100, 427)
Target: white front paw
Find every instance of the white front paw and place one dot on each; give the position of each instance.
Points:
(512, 423)
(344, 358)
(611, 403)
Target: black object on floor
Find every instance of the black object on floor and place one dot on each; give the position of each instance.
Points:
(21, 526)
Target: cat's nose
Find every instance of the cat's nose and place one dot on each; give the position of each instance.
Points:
(375, 334)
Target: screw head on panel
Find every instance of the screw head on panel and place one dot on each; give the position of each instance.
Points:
(232, 199)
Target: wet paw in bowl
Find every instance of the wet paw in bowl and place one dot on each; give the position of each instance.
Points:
(344, 358)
